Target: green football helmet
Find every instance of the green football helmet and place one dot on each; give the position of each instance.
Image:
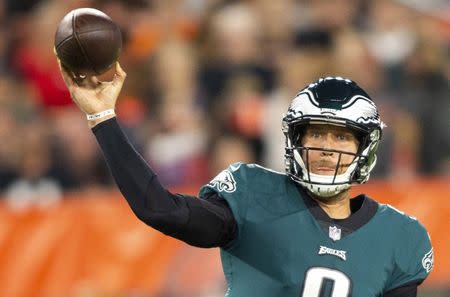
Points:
(332, 101)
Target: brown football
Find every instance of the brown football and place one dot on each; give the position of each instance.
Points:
(87, 41)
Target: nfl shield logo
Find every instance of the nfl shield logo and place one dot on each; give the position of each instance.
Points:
(334, 233)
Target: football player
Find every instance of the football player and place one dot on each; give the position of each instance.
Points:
(291, 234)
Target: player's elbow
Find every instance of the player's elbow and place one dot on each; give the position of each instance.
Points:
(169, 223)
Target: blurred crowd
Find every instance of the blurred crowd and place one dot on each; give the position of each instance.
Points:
(209, 80)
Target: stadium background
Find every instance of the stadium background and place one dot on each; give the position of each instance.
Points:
(207, 83)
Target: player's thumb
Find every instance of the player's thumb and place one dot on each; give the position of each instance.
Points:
(120, 70)
(120, 75)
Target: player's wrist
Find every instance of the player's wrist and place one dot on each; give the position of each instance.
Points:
(101, 114)
(97, 118)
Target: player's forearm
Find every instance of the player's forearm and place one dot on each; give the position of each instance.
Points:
(132, 174)
(197, 222)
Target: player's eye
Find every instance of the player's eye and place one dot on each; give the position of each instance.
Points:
(315, 134)
(344, 136)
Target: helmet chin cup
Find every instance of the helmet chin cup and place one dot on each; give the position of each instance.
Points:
(324, 191)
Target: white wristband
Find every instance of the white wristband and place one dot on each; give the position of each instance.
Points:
(99, 115)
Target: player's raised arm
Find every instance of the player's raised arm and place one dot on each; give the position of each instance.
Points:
(204, 223)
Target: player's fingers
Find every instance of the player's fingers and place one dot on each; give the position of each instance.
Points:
(95, 81)
(97, 84)
(88, 81)
(81, 80)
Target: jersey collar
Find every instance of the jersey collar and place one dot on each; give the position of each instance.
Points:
(363, 209)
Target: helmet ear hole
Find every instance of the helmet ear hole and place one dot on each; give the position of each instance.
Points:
(363, 139)
(298, 132)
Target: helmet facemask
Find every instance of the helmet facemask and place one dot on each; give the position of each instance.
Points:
(347, 169)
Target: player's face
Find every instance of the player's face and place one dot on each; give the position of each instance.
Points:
(328, 137)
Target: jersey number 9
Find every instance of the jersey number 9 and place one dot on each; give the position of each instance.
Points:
(317, 278)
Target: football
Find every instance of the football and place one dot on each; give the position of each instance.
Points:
(87, 41)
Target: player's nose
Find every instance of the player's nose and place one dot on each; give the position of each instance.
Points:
(328, 143)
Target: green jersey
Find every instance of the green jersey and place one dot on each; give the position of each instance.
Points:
(288, 247)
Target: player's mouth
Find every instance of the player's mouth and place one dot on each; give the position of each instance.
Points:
(324, 170)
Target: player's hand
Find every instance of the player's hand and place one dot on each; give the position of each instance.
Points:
(91, 95)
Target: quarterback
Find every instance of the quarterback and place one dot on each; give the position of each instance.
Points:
(292, 234)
